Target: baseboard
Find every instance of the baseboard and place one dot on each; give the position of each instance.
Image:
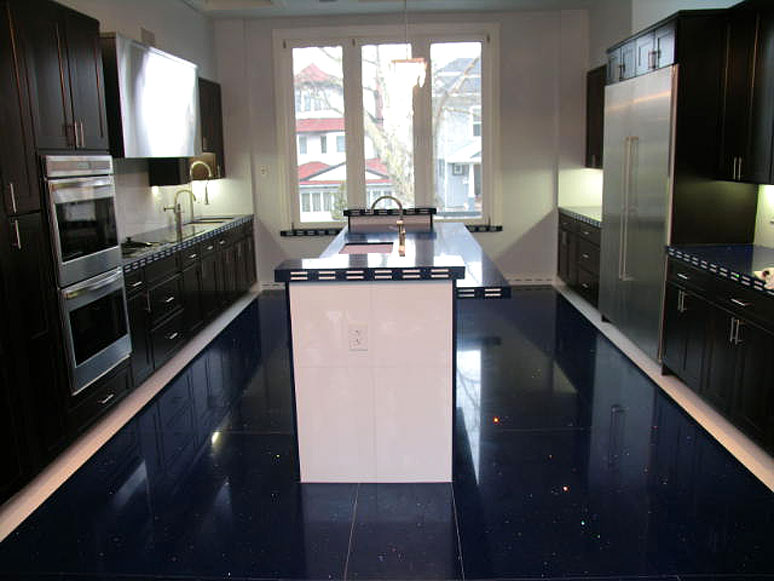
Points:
(530, 280)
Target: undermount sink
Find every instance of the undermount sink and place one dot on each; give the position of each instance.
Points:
(367, 248)
(210, 220)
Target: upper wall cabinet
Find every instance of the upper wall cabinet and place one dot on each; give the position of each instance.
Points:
(63, 61)
(748, 111)
(595, 116)
(173, 171)
(18, 171)
(652, 49)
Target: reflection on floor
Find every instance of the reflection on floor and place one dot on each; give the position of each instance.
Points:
(569, 464)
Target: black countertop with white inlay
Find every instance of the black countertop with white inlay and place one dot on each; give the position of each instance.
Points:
(163, 242)
(589, 214)
(449, 251)
(736, 262)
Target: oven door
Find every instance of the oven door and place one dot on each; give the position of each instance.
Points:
(96, 327)
(83, 220)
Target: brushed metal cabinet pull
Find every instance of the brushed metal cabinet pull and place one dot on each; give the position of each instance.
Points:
(169, 300)
(737, 340)
(731, 330)
(83, 134)
(147, 303)
(584, 255)
(137, 284)
(173, 336)
(17, 243)
(107, 398)
(12, 192)
(682, 276)
(739, 303)
(739, 175)
(192, 256)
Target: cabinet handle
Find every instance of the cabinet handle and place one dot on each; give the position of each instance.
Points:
(12, 192)
(733, 172)
(737, 340)
(621, 69)
(137, 284)
(204, 143)
(680, 301)
(17, 243)
(584, 255)
(652, 59)
(739, 171)
(173, 336)
(739, 303)
(83, 134)
(107, 398)
(221, 242)
(169, 300)
(732, 330)
(585, 285)
(192, 256)
(682, 276)
(147, 303)
(210, 247)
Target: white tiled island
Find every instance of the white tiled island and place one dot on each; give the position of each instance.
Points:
(373, 357)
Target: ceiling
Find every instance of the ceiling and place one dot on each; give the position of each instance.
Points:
(275, 8)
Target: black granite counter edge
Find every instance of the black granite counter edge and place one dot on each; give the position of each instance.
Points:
(719, 270)
(133, 263)
(581, 217)
(375, 274)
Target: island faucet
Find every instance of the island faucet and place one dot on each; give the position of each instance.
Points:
(399, 223)
(178, 211)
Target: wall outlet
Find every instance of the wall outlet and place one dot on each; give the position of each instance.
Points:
(358, 337)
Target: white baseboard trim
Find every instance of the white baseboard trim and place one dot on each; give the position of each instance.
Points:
(23, 503)
(752, 456)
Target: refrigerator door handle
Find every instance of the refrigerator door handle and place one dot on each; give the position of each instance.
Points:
(629, 146)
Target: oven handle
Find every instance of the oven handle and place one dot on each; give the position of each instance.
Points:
(92, 285)
(72, 190)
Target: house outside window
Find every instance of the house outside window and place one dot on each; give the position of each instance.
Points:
(453, 171)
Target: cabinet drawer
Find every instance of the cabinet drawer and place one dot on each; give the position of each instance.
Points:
(162, 268)
(747, 303)
(567, 223)
(100, 397)
(167, 339)
(189, 256)
(166, 298)
(588, 232)
(588, 285)
(687, 276)
(134, 281)
(588, 256)
(208, 246)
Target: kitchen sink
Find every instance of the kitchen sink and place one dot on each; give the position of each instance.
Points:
(211, 220)
(367, 248)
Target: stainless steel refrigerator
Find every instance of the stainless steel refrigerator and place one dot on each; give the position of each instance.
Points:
(637, 190)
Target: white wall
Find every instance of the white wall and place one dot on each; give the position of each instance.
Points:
(610, 21)
(181, 31)
(647, 12)
(542, 87)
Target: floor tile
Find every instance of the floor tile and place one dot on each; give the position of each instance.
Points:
(404, 531)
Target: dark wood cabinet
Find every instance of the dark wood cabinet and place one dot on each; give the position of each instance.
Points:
(748, 115)
(686, 315)
(64, 69)
(192, 298)
(719, 345)
(578, 256)
(142, 356)
(210, 281)
(211, 116)
(595, 117)
(18, 170)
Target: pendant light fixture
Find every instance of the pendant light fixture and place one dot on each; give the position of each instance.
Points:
(412, 72)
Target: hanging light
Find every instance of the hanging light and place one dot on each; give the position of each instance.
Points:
(411, 72)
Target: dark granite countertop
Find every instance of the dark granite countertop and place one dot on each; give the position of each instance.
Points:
(448, 252)
(589, 214)
(736, 262)
(164, 241)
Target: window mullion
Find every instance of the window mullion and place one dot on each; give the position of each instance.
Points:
(353, 123)
(423, 131)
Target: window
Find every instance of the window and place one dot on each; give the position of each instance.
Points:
(346, 80)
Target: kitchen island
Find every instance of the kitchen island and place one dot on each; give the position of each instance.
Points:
(373, 345)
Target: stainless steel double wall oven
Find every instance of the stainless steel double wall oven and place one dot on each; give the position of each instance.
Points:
(81, 199)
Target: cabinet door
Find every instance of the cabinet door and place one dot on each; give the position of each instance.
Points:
(754, 401)
(664, 45)
(628, 60)
(86, 84)
(211, 115)
(192, 298)
(228, 260)
(644, 54)
(251, 273)
(11, 430)
(749, 90)
(685, 317)
(563, 261)
(142, 358)
(42, 38)
(595, 117)
(18, 170)
(613, 66)
(720, 370)
(210, 298)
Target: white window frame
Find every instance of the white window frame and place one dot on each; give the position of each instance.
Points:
(351, 39)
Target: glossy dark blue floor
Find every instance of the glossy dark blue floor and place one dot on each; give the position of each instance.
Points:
(569, 464)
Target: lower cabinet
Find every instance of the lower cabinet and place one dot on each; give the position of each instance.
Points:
(171, 299)
(578, 256)
(713, 341)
